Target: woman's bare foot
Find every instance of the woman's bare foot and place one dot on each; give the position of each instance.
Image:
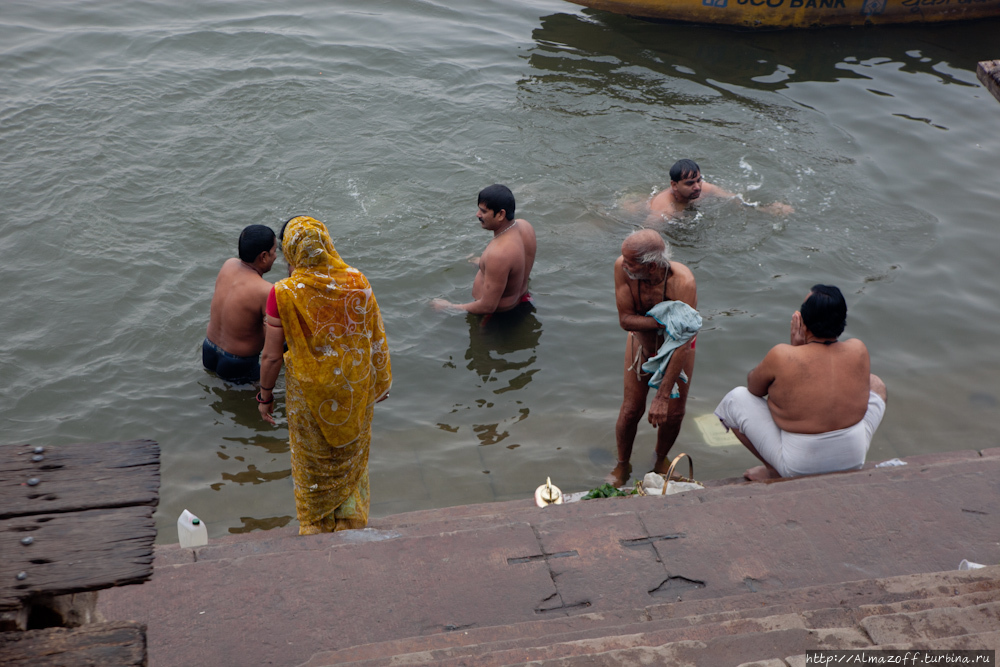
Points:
(761, 474)
(619, 476)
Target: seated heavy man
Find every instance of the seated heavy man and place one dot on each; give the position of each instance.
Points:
(823, 404)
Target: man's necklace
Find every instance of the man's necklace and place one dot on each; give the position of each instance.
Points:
(824, 342)
(508, 228)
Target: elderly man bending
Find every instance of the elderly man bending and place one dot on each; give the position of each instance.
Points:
(656, 300)
(823, 404)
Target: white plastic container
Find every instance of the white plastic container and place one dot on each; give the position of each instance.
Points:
(191, 531)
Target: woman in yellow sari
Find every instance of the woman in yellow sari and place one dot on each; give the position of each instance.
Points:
(336, 368)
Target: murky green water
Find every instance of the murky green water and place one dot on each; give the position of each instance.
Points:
(137, 139)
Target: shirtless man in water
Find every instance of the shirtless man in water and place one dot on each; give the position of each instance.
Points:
(822, 403)
(235, 334)
(686, 185)
(505, 265)
(644, 277)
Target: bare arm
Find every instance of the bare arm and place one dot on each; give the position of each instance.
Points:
(628, 318)
(496, 272)
(686, 291)
(710, 190)
(270, 364)
(775, 208)
(760, 378)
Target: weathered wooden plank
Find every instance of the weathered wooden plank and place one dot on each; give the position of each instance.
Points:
(988, 72)
(78, 477)
(118, 644)
(74, 552)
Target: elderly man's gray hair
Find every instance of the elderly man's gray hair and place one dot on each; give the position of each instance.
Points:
(648, 251)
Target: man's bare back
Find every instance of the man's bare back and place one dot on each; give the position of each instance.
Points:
(812, 387)
(236, 322)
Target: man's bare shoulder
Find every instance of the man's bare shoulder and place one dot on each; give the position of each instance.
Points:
(231, 266)
(681, 277)
(663, 203)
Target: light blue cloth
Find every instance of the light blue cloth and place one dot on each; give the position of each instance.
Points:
(682, 323)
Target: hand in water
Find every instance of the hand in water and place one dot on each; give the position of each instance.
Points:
(443, 306)
(778, 208)
(265, 410)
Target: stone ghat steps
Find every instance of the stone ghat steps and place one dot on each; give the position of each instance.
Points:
(433, 521)
(940, 610)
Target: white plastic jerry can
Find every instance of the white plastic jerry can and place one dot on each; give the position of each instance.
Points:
(191, 532)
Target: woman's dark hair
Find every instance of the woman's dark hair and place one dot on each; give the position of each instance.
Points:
(254, 240)
(824, 312)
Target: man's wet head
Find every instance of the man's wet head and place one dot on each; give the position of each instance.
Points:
(258, 247)
(685, 180)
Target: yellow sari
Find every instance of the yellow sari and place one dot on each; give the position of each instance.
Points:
(336, 368)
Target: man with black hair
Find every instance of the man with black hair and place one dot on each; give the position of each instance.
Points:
(235, 334)
(687, 185)
(501, 283)
(822, 403)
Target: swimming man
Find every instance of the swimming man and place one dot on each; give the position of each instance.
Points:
(687, 185)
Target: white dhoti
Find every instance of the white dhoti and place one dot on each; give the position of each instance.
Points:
(795, 454)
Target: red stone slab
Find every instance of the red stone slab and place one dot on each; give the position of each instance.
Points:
(280, 608)
(615, 566)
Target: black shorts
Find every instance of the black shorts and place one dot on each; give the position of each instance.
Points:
(229, 366)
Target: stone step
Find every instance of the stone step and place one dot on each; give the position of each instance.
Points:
(931, 624)
(732, 651)
(981, 641)
(427, 521)
(728, 650)
(828, 606)
(780, 628)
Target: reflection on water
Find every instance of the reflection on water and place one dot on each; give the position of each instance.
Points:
(625, 52)
(250, 523)
(237, 404)
(502, 353)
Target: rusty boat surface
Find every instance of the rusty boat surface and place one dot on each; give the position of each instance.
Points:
(778, 14)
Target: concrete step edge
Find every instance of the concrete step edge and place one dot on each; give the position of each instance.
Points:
(931, 624)
(805, 601)
(728, 650)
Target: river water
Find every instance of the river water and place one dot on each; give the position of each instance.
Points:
(138, 138)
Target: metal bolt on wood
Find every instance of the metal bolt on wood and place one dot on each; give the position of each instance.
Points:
(33, 481)
(21, 576)
(27, 540)
(39, 450)
(38, 457)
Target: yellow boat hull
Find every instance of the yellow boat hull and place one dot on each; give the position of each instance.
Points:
(771, 14)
